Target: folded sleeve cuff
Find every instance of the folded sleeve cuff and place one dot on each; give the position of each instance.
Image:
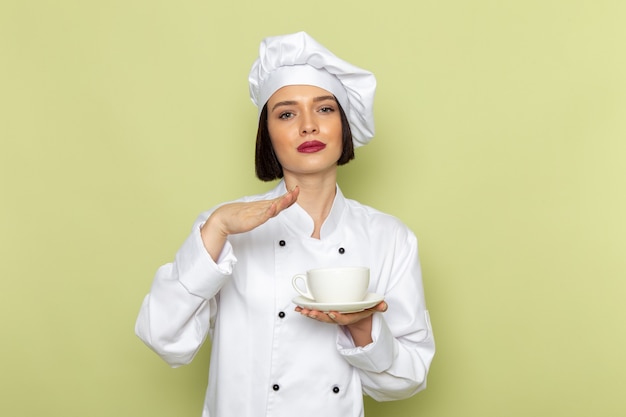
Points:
(378, 356)
(197, 271)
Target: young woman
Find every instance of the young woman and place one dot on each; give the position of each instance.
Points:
(231, 279)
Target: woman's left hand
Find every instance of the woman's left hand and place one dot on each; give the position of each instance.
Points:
(344, 319)
(359, 324)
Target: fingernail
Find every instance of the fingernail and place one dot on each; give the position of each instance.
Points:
(331, 315)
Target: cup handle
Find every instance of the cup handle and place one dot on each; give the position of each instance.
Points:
(305, 293)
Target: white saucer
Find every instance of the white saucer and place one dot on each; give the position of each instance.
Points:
(371, 299)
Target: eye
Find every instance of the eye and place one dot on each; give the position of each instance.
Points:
(285, 115)
(327, 109)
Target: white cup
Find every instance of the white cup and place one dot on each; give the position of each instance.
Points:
(334, 285)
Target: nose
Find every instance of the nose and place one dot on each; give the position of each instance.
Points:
(309, 125)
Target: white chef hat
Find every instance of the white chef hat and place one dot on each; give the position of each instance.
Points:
(298, 59)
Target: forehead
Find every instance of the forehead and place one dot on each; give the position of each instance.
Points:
(298, 93)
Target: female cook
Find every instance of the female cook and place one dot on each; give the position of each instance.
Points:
(231, 279)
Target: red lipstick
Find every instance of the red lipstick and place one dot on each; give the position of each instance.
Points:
(311, 146)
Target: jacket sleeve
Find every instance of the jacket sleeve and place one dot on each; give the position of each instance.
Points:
(177, 314)
(395, 365)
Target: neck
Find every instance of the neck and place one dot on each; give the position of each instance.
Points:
(316, 197)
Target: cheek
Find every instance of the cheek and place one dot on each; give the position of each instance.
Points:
(278, 145)
(277, 140)
(278, 134)
(337, 133)
(336, 127)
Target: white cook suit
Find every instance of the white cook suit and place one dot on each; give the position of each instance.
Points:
(267, 359)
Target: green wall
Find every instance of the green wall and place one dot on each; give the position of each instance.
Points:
(501, 141)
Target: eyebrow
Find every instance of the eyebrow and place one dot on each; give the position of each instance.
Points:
(293, 102)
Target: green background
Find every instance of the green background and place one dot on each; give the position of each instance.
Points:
(501, 141)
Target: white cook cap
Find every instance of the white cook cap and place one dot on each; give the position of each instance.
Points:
(298, 59)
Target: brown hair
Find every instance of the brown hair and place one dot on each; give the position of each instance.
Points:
(265, 161)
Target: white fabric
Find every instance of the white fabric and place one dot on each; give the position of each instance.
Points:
(307, 75)
(237, 302)
(299, 59)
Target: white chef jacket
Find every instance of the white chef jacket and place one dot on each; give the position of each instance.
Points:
(267, 359)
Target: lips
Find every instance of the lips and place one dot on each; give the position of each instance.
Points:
(311, 146)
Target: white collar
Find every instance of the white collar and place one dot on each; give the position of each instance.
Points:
(298, 220)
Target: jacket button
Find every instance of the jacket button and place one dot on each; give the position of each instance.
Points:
(281, 314)
(282, 243)
(342, 251)
(336, 389)
(275, 387)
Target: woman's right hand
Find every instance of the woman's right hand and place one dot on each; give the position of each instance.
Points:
(241, 217)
